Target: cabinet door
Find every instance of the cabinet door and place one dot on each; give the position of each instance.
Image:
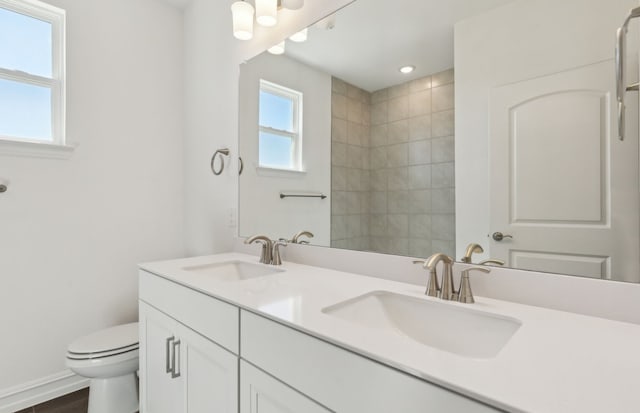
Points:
(211, 373)
(261, 393)
(160, 391)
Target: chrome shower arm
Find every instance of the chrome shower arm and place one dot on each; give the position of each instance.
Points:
(621, 81)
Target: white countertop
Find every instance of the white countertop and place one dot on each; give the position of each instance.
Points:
(556, 361)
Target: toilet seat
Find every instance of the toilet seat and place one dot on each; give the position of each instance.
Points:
(105, 367)
(109, 342)
(101, 354)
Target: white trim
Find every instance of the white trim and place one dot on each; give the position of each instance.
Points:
(28, 78)
(40, 391)
(295, 134)
(278, 172)
(279, 132)
(12, 147)
(57, 18)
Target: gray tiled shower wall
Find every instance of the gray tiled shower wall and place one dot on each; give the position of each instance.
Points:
(393, 167)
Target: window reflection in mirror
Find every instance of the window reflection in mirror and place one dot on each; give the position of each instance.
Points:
(279, 125)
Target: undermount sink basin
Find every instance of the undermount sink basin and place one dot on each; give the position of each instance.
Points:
(465, 332)
(232, 270)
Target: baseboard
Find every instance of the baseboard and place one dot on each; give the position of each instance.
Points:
(41, 390)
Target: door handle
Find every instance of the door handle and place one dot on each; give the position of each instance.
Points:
(176, 348)
(167, 353)
(499, 236)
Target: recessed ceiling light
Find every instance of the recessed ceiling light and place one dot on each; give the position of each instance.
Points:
(407, 69)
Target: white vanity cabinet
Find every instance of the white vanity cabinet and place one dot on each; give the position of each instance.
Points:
(200, 354)
(182, 371)
(339, 379)
(261, 393)
(157, 334)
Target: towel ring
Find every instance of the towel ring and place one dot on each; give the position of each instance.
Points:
(224, 152)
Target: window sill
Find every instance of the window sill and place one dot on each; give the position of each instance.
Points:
(281, 173)
(35, 150)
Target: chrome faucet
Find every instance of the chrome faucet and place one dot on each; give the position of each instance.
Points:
(447, 291)
(471, 248)
(275, 255)
(267, 247)
(296, 238)
(466, 295)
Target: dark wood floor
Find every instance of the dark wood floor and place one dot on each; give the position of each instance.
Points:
(76, 402)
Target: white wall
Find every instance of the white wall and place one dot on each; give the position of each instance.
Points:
(212, 57)
(72, 231)
(521, 40)
(275, 217)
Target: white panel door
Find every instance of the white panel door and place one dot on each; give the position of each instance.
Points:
(561, 183)
(160, 391)
(261, 393)
(211, 373)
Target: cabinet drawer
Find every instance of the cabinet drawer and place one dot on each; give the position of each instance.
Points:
(210, 317)
(339, 379)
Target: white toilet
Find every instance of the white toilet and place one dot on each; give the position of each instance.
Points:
(109, 358)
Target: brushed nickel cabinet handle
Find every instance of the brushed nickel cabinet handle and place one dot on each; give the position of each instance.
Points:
(167, 353)
(176, 349)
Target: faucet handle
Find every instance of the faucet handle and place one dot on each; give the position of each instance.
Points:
(432, 284)
(265, 251)
(466, 295)
(265, 254)
(275, 255)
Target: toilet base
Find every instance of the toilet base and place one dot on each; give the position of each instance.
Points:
(115, 394)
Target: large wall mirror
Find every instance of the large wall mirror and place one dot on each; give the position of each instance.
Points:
(502, 132)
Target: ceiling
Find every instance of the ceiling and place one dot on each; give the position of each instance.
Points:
(181, 4)
(373, 38)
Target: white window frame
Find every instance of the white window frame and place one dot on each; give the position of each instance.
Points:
(57, 18)
(296, 134)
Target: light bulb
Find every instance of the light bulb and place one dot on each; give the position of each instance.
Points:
(242, 14)
(277, 49)
(407, 69)
(267, 12)
(299, 37)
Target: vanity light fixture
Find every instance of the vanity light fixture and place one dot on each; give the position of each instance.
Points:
(242, 14)
(277, 49)
(299, 37)
(407, 69)
(265, 12)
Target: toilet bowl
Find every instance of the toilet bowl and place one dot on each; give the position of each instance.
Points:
(109, 358)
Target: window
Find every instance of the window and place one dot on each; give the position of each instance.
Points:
(280, 137)
(32, 94)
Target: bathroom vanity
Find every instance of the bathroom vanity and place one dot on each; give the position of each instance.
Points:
(225, 333)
